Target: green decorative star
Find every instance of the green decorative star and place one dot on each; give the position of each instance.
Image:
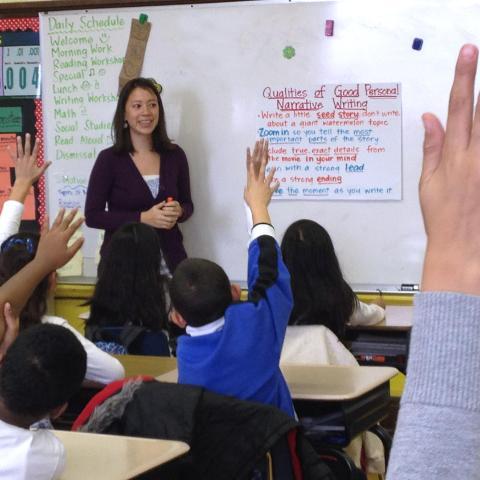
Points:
(288, 52)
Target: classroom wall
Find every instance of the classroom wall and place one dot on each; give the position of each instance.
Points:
(215, 61)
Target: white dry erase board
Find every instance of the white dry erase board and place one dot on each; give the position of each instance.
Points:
(215, 62)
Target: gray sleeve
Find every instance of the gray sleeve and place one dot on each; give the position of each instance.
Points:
(438, 429)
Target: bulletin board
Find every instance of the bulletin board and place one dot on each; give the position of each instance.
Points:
(20, 107)
(223, 68)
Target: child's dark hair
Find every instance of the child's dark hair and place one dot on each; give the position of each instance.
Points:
(320, 294)
(200, 291)
(121, 134)
(130, 289)
(17, 251)
(42, 369)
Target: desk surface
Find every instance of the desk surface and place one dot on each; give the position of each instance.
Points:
(146, 365)
(332, 382)
(324, 382)
(396, 318)
(94, 456)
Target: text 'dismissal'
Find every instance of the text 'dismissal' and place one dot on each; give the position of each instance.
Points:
(334, 142)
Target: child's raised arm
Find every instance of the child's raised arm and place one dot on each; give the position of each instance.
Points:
(259, 189)
(52, 253)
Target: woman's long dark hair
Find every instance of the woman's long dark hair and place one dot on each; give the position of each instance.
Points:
(122, 141)
(130, 289)
(17, 251)
(320, 294)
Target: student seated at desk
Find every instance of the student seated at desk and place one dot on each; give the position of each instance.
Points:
(128, 308)
(321, 297)
(234, 348)
(41, 370)
(15, 253)
(323, 304)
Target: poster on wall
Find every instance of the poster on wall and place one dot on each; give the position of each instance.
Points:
(20, 107)
(334, 141)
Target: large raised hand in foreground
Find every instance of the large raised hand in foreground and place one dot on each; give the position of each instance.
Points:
(439, 420)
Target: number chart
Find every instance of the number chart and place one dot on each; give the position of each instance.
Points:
(20, 64)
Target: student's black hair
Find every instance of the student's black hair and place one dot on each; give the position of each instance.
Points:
(41, 370)
(320, 293)
(17, 251)
(200, 291)
(122, 141)
(130, 288)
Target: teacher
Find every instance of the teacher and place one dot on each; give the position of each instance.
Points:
(143, 177)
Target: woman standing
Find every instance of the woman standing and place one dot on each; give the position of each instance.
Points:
(143, 177)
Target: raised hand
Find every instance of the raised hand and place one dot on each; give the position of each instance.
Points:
(27, 170)
(450, 187)
(53, 250)
(260, 188)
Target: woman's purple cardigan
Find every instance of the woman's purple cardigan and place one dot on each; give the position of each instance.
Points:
(116, 183)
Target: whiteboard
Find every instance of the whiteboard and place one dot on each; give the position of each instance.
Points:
(214, 61)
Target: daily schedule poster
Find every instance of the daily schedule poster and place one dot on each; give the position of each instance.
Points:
(335, 141)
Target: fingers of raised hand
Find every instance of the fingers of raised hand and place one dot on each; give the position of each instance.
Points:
(460, 107)
(35, 150)
(27, 145)
(249, 158)
(19, 147)
(265, 150)
(75, 247)
(73, 226)
(270, 176)
(44, 167)
(58, 219)
(432, 144)
(67, 220)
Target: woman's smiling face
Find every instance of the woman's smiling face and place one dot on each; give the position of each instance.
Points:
(141, 112)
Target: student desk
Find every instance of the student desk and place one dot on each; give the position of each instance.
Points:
(385, 343)
(146, 365)
(336, 403)
(94, 456)
(347, 400)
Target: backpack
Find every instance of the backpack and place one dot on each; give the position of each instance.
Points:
(229, 439)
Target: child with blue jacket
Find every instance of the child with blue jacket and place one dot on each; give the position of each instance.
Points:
(230, 347)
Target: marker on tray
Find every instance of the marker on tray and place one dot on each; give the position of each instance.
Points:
(409, 287)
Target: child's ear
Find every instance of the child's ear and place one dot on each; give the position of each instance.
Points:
(177, 319)
(56, 412)
(236, 291)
